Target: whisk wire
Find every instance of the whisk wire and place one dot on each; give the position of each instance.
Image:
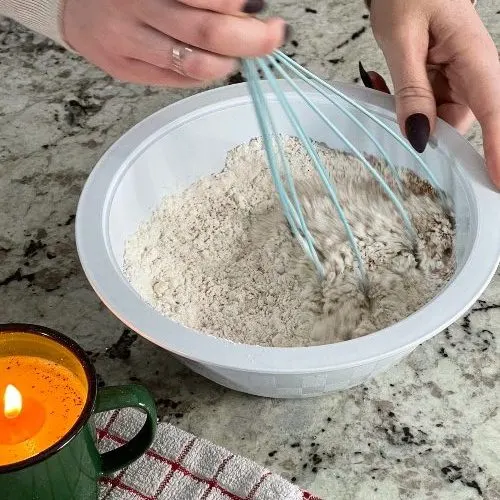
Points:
(388, 191)
(280, 168)
(318, 164)
(311, 76)
(293, 211)
(275, 61)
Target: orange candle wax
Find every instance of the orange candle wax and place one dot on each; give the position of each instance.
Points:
(51, 398)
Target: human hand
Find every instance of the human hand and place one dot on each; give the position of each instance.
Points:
(177, 43)
(442, 63)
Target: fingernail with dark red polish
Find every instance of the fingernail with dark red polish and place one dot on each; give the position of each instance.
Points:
(288, 33)
(365, 77)
(254, 6)
(418, 129)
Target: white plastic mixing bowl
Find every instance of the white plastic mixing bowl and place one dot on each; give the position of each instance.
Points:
(168, 151)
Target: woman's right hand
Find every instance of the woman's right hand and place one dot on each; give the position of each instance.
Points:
(176, 43)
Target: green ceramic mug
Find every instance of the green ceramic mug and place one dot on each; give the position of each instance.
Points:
(71, 467)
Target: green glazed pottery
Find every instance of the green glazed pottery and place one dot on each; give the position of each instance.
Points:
(70, 469)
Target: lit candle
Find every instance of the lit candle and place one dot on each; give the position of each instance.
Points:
(20, 420)
(42, 400)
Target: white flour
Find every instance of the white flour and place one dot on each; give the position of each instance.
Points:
(220, 258)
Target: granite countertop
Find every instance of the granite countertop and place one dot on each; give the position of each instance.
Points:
(428, 428)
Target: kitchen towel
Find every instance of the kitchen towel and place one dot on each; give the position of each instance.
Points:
(180, 466)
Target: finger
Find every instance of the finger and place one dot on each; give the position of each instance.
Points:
(491, 132)
(222, 34)
(378, 82)
(140, 72)
(450, 107)
(373, 80)
(151, 46)
(233, 7)
(406, 55)
(457, 115)
(480, 65)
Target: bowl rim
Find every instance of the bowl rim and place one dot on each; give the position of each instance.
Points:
(108, 282)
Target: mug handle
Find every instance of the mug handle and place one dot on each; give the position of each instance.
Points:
(114, 398)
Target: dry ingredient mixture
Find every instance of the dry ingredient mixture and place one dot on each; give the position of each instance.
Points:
(219, 257)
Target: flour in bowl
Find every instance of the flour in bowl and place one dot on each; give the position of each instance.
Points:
(219, 256)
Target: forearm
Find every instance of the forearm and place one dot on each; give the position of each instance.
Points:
(42, 16)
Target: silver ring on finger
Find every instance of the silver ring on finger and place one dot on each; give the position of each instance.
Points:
(179, 54)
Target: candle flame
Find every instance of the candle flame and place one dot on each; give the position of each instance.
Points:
(12, 402)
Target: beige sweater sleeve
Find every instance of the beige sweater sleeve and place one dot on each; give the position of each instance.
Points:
(42, 16)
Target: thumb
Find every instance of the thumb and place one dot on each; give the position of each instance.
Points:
(415, 102)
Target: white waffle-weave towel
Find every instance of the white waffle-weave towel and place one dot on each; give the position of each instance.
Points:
(180, 466)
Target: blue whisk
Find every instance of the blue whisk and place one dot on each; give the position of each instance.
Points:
(287, 69)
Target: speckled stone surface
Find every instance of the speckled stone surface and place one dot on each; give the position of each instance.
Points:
(429, 428)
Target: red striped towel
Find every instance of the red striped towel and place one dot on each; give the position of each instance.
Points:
(180, 466)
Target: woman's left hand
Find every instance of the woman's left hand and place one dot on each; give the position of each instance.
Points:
(443, 63)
